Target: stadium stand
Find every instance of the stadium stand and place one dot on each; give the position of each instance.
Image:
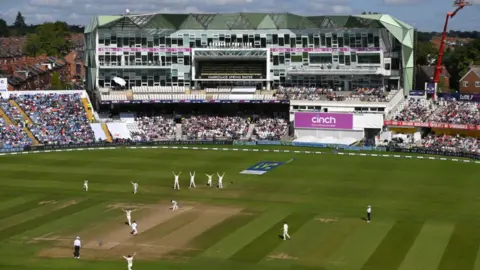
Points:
(270, 129)
(452, 143)
(214, 127)
(317, 94)
(456, 112)
(13, 136)
(152, 128)
(416, 110)
(56, 118)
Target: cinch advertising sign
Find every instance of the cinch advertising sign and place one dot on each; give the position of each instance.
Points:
(316, 120)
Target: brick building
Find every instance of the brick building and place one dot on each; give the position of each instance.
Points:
(470, 82)
(425, 75)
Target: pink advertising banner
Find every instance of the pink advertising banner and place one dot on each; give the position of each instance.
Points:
(318, 120)
(144, 49)
(324, 49)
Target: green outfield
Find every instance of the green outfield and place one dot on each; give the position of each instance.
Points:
(426, 213)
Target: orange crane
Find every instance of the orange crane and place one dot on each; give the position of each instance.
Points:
(459, 4)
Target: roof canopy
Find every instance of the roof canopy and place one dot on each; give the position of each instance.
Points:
(239, 21)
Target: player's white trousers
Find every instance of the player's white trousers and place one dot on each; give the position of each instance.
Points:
(285, 236)
(176, 185)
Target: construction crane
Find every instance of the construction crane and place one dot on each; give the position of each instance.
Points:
(459, 4)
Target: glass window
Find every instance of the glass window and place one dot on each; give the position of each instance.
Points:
(340, 42)
(263, 42)
(275, 39)
(329, 42)
(370, 38)
(174, 41)
(168, 42)
(341, 58)
(369, 58)
(281, 42)
(322, 40)
(282, 59)
(180, 42)
(376, 42)
(162, 40)
(353, 57)
(305, 42)
(316, 42)
(296, 58)
(186, 60)
(287, 39)
(275, 60)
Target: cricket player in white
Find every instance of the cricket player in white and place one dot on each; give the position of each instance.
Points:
(209, 181)
(129, 260)
(174, 205)
(220, 180)
(285, 231)
(192, 180)
(135, 187)
(369, 213)
(134, 228)
(176, 184)
(128, 213)
(85, 185)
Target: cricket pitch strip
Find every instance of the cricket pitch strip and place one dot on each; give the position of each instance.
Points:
(111, 239)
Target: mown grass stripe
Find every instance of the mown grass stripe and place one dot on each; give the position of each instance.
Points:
(28, 205)
(462, 249)
(428, 248)
(31, 214)
(244, 235)
(477, 261)
(31, 224)
(12, 202)
(215, 234)
(65, 227)
(394, 247)
(167, 227)
(356, 249)
(265, 243)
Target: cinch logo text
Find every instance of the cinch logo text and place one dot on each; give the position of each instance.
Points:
(324, 120)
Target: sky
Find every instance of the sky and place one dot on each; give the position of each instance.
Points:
(425, 15)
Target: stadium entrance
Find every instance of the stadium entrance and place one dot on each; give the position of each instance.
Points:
(230, 69)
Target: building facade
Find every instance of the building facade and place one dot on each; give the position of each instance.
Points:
(338, 52)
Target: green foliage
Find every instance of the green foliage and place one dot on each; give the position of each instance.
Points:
(19, 21)
(424, 49)
(56, 83)
(458, 61)
(49, 38)
(4, 32)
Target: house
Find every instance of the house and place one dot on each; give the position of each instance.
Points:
(36, 73)
(470, 82)
(425, 74)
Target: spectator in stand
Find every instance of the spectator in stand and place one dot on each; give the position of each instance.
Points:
(154, 128)
(57, 118)
(13, 136)
(457, 112)
(415, 110)
(214, 127)
(447, 143)
(328, 94)
(270, 129)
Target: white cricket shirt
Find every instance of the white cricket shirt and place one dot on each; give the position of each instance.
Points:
(77, 243)
(285, 227)
(134, 226)
(129, 260)
(369, 210)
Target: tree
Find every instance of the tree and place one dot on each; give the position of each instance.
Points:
(49, 38)
(424, 53)
(4, 31)
(20, 21)
(459, 61)
(56, 84)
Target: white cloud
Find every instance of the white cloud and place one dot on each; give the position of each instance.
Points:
(81, 11)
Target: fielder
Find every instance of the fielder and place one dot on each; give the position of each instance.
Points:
(285, 231)
(135, 187)
(220, 180)
(369, 213)
(134, 228)
(128, 213)
(176, 184)
(192, 180)
(174, 205)
(209, 181)
(85, 185)
(129, 260)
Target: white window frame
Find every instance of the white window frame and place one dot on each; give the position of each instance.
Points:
(477, 84)
(465, 83)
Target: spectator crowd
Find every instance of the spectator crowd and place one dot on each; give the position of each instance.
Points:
(447, 143)
(270, 129)
(449, 112)
(214, 127)
(153, 128)
(57, 118)
(329, 94)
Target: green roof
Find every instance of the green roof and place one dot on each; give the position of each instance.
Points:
(238, 21)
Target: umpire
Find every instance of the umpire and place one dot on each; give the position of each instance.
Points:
(369, 213)
(76, 248)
